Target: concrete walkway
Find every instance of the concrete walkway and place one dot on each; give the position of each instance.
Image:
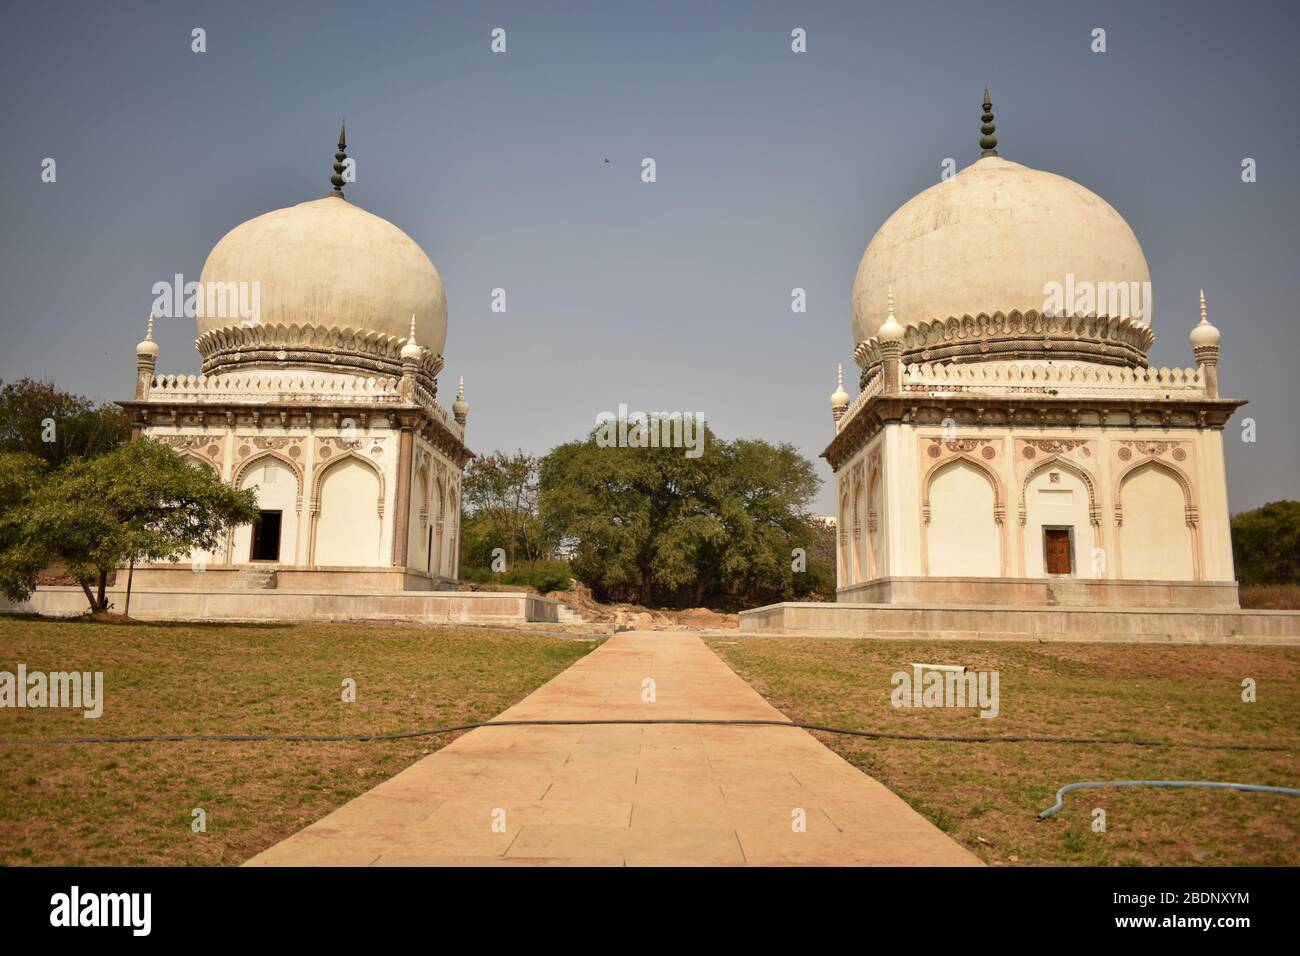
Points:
(628, 795)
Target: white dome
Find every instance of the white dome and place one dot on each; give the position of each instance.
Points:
(988, 240)
(329, 264)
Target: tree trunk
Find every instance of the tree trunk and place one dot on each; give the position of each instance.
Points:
(89, 597)
(102, 599)
(126, 611)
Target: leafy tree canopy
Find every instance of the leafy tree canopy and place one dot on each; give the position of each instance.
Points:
(653, 526)
(1266, 544)
(499, 492)
(37, 418)
(140, 503)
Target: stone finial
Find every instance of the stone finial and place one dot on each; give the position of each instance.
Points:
(411, 351)
(147, 347)
(839, 398)
(339, 161)
(890, 330)
(988, 141)
(1204, 335)
(460, 407)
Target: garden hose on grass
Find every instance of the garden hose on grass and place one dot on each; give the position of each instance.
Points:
(1180, 784)
(685, 721)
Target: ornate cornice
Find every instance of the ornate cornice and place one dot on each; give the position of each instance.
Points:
(1018, 336)
(313, 347)
(1032, 411)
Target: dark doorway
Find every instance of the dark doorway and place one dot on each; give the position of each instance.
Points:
(266, 536)
(1057, 550)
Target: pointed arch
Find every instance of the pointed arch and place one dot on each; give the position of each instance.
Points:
(1138, 545)
(351, 526)
(244, 467)
(1056, 461)
(997, 560)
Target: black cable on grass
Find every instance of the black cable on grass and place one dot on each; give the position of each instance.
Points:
(457, 728)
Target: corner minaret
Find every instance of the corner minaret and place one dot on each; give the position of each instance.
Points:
(839, 397)
(146, 358)
(411, 355)
(460, 407)
(988, 141)
(1205, 346)
(891, 335)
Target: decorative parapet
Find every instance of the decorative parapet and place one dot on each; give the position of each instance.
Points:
(875, 385)
(1069, 379)
(258, 388)
(1018, 336)
(196, 394)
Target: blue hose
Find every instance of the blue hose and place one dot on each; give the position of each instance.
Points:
(1205, 784)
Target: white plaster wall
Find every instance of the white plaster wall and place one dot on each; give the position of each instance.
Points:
(1155, 541)
(348, 528)
(899, 536)
(962, 538)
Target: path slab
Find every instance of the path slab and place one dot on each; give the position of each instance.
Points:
(628, 795)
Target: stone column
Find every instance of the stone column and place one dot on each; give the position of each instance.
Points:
(402, 497)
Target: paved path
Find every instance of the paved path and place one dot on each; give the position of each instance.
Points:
(628, 795)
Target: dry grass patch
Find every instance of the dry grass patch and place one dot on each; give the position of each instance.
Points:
(130, 804)
(987, 795)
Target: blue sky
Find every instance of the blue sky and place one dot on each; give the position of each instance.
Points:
(774, 170)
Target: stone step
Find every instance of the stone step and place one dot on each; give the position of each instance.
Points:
(256, 578)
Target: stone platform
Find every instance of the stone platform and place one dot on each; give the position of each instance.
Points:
(1024, 623)
(281, 604)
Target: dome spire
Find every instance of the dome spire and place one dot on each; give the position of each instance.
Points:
(148, 346)
(339, 165)
(890, 330)
(411, 350)
(988, 141)
(839, 398)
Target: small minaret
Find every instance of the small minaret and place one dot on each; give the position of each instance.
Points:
(1205, 346)
(146, 358)
(411, 356)
(890, 336)
(988, 141)
(340, 161)
(460, 407)
(839, 397)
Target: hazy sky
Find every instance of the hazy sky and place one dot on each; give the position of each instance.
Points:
(774, 171)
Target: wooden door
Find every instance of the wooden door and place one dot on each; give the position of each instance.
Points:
(1056, 550)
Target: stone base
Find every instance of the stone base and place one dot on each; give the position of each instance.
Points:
(998, 623)
(280, 604)
(220, 577)
(1043, 592)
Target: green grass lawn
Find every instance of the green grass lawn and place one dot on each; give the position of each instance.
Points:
(987, 795)
(130, 804)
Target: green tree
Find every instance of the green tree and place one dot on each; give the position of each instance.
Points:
(653, 526)
(21, 557)
(1266, 544)
(499, 492)
(139, 503)
(37, 418)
